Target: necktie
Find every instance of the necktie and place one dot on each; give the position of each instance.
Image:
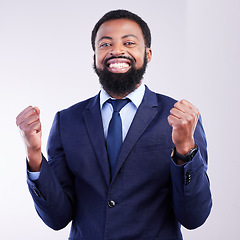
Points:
(114, 137)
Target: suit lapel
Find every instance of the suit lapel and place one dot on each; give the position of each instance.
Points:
(144, 116)
(93, 121)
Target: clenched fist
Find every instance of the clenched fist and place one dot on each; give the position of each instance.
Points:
(183, 118)
(29, 124)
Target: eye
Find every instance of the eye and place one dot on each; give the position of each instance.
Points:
(129, 44)
(103, 45)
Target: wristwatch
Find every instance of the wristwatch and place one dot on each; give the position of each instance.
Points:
(185, 158)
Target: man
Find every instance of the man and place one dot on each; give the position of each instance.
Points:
(155, 182)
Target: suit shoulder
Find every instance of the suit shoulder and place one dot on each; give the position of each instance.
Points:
(165, 104)
(164, 99)
(161, 98)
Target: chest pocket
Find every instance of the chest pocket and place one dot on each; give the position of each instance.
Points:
(150, 146)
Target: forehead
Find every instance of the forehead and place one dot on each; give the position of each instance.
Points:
(119, 28)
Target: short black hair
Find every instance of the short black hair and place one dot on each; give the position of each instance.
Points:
(122, 14)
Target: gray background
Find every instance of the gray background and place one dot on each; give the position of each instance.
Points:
(46, 61)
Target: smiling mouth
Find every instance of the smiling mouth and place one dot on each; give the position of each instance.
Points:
(120, 65)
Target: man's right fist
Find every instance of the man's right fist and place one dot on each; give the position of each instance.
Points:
(29, 124)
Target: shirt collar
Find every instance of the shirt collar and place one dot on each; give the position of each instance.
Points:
(136, 96)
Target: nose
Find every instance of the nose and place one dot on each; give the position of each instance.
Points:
(117, 50)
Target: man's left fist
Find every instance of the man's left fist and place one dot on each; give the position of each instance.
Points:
(183, 118)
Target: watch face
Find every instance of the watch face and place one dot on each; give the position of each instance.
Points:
(192, 152)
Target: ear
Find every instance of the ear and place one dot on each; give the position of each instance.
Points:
(149, 54)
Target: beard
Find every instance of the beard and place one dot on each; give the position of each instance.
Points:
(120, 84)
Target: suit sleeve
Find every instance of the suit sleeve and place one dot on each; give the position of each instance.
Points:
(53, 191)
(191, 188)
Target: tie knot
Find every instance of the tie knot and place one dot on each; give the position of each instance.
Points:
(118, 104)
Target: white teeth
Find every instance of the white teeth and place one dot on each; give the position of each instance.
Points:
(118, 65)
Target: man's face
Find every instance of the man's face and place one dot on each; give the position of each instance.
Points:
(120, 56)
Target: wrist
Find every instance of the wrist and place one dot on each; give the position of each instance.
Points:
(34, 159)
(183, 149)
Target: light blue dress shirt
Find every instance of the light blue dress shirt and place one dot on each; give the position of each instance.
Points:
(127, 114)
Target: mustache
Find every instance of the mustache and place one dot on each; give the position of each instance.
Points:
(132, 60)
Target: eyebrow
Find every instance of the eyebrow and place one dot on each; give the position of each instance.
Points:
(125, 36)
(104, 37)
(129, 35)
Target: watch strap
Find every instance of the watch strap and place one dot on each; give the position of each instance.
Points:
(185, 158)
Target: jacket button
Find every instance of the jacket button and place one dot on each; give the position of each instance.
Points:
(188, 177)
(111, 203)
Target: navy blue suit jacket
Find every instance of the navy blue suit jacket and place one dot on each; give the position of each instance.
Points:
(152, 195)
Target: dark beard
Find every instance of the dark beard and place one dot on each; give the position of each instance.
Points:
(120, 84)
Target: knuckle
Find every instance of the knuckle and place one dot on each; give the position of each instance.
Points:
(193, 114)
(176, 104)
(183, 123)
(188, 119)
